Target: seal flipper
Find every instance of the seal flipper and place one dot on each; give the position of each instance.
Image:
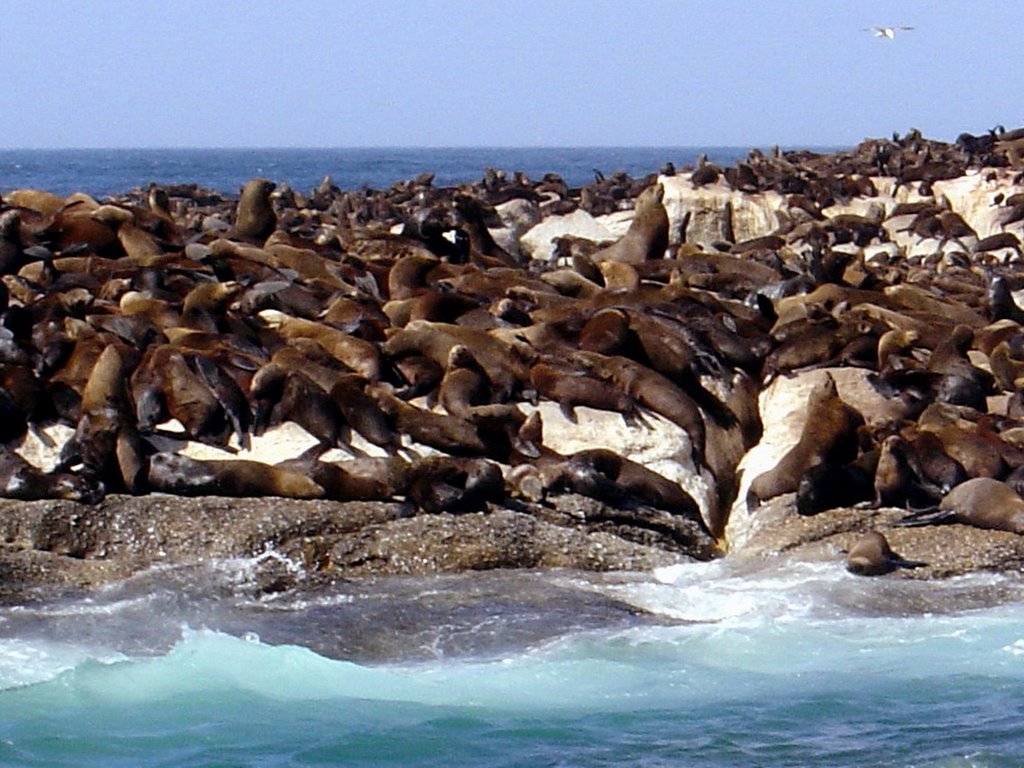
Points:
(928, 516)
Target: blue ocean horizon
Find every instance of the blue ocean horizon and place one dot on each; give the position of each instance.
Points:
(105, 172)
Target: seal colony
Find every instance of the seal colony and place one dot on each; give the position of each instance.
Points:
(433, 349)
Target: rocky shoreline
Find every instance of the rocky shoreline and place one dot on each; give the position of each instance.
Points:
(511, 374)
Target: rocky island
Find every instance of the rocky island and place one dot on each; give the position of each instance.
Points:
(767, 359)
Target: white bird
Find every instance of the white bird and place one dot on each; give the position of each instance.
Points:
(886, 32)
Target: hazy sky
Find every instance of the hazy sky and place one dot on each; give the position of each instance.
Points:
(262, 73)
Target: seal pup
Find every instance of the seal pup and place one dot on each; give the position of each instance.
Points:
(871, 555)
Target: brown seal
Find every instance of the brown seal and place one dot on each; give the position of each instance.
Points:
(103, 416)
(255, 219)
(465, 383)
(829, 436)
(450, 434)
(900, 480)
(871, 555)
(360, 355)
(647, 236)
(341, 484)
(984, 503)
(177, 474)
(283, 395)
(164, 386)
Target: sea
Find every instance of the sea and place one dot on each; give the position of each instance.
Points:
(101, 172)
(743, 662)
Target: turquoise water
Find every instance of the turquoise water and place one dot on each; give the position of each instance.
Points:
(782, 665)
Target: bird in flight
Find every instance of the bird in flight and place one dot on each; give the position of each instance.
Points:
(886, 32)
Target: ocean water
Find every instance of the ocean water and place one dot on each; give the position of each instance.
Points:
(721, 664)
(101, 172)
(732, 664)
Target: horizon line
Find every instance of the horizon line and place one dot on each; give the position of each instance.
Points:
(400, 147)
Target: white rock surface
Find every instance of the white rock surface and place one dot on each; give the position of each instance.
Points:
(538, 241)
(972, 197)
(517, 217)
(710, 220)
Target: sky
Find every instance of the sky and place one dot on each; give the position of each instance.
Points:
(433, 73)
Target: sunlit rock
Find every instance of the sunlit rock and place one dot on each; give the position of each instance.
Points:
(716, 212)
(538, 242)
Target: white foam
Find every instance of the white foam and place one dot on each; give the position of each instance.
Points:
(27, 662)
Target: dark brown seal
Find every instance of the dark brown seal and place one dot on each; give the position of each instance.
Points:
(608, 477)
(21, 480)
(174, 473)
(446, 484)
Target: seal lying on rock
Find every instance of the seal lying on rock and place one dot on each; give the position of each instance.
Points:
(872, 556)
(983, 502)
(173, 473)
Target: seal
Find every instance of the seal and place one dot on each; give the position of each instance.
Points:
(449, 434)
(830, 486)
(255, 219)
(177, 474)
(982, 502)
(103, 414)
(204, 306)
(164, 386)
(900, 480)
(360, 355)
(604, 475)
(445, 484)
(340, 484)
(11, 245)
(830, 435)
(21, 480)
(647, 236)
(871, 555)
(465, 383)
(283, 395)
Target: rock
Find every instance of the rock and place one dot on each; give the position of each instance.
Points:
(538, 242)
(517, 217)
(717, 213)
(52, 547)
